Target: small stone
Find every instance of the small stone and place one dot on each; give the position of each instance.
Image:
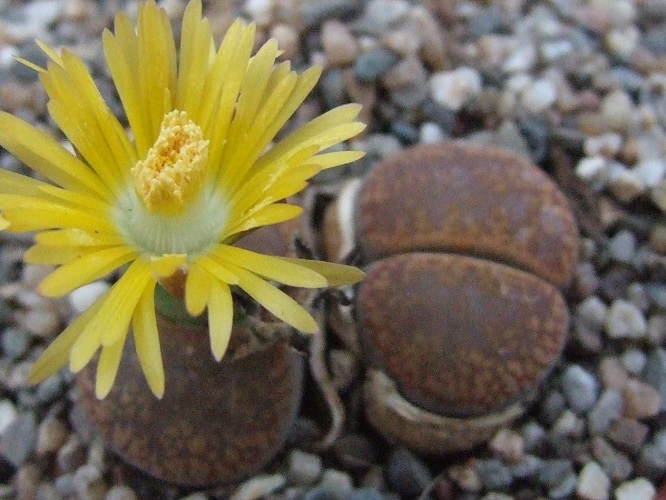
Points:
(455, 89)
(71, 455)
(638, 295)
(533, 436)
(26, 482)
(655, 373)
(8, 414)
(83, 297)
(640, 400)
(121, 492)
(625, 320)
(261, 11)
(636, 489)
(15, 342)
(287, 38)
(539, 96)
(658, 238)
(466, 476)
(406, 473)
(552, 407)
(374, 63)
(304, 468)
(337, 482)
(89, 484)
(365, 494)
(592, 313)
(528, 468)
(628, 435)
(355, 451)
(615, 464)
(651, 172)
(508, 445)
(622, 246)
(617, 109)
(656, 329)
(51, 435)
(606, 145)
(564, 489)
(568, 425)
(593, 170)
(580, 388)
(612, 373)
(554, 472)
(651, 462)
(259, 487)
(343, 367)
(494, 474)
(634, 360)
(340, 46)
(430, 133)
(623, 182)
(18, 440)
(608, 409)
(593, 483)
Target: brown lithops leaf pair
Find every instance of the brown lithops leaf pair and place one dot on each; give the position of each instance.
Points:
(460, 315)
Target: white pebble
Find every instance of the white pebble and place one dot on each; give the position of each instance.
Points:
(592, 313)
(259, 487)
(261, 11)
(83, 297)
(539, 96)
(637, 489)
(593, 483)
(650, 172)
(622, 42)
(521, 59)
(593, 169)
(625, 320)
(7, 414)
(634, 360)
(454, 89)
(430, 133)
(624, 183)
(606, 145)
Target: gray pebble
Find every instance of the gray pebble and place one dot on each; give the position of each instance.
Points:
(304, 468)
(651, 462)
(494, 474)
(51, 435)
(592, 313)
(528, 468)
(615, 464)
(406, 473)
(622, 246)
(18, 440)
(314, 13)
(625, 320)
(636, 489)
(355, 451)
(71, 455)
(89, 484)
(554, 472)
(655, 373)
(365, 494)
(607, 410)
(8, 414)
(533, 436)
(337, 482)
(565, 488)
(259, 487)
(15, 342)
(628, 435)
(553, 405)
(121, 492)
(580, 388)
(634, 360)
(374, 63)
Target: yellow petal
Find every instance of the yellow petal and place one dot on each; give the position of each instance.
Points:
(107, 366)
(220, 317)
(288, 273)
(197, 288)
(221, 272)
(336, 274)
(147, 341)
(74, 237)
(272, 214)
(57, 354)
(165, 265)
(275, 301)
(43, 154)
(337, 158)
(85, 269)
(50, 255)
(4, 223)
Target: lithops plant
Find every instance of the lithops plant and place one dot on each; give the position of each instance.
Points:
(460, 316)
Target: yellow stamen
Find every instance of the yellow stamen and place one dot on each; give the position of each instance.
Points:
(174, 168)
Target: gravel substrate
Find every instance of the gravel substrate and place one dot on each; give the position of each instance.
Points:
(578, 86)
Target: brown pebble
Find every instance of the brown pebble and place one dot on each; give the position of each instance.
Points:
(52, 434)
(613, 374)
(288, 40)
(460, 336)
(628, 434)
(466, 199)
(26, 482)
(340, 46)
(641, 400)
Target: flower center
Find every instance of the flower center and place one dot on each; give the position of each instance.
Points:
(174, 168)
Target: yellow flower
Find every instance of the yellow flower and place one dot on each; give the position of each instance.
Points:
(199, 172)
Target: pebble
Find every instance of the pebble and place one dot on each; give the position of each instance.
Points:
(304, 468)
(406, 473)
(569, 424)
(655, 373)
(336, 482)
(51, 435)
(89, 484)
(617, 109)
(15, 342)
(625, 321)
(466, 476)
(640, 400)
(612, 372)
(628, 435)
(121, 492)
(454, 89)
(508, 445)
(365, 494)
(593, 170)
(636, 489)
(539, 96)
(634, 360)
(592, 313)
(259, 487)
(26, 482)
(494, 474)
(8, 414)
(340, 46)
(528, 468)
(355, 451)
(18, 440)
(83, 297)
(580, 388)
(431, 133)
(622, 246)
(71, 455)
(615, 464)
(650, 172)
(593, 483)
(656, 329)
(651, 462)
(344, 368)
(287, 38)
(374, 63)
(623, 182)
(555, 472)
